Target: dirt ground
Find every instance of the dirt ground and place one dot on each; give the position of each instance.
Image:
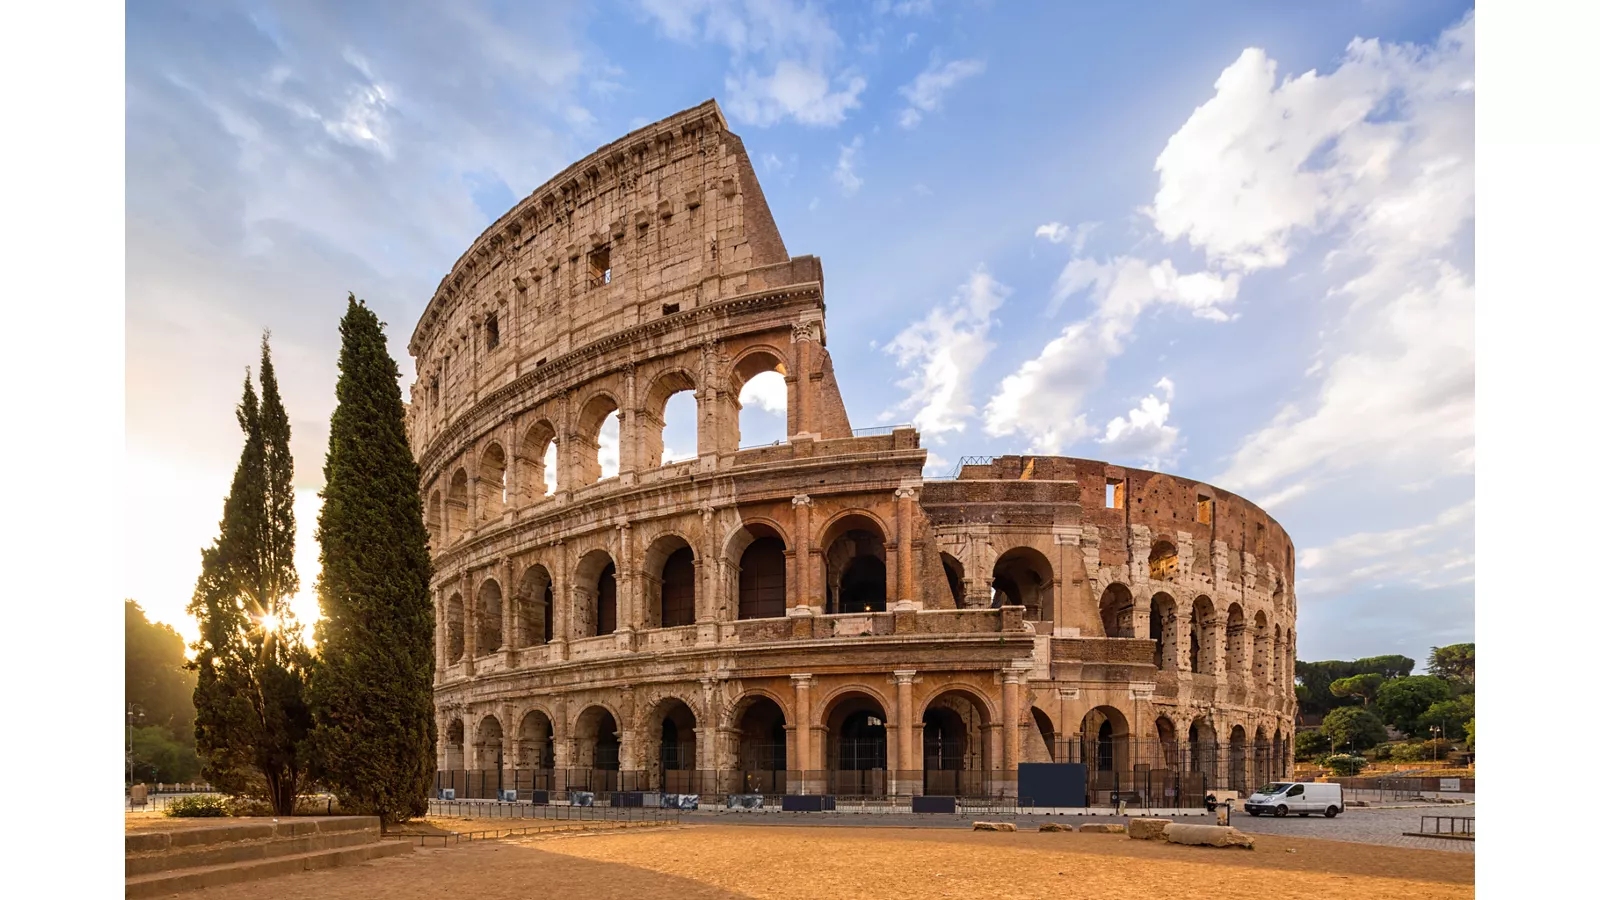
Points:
(710, 861)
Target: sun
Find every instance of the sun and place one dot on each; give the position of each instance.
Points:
(270, 622)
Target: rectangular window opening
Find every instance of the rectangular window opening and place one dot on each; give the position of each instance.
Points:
(491, 330)
(600, 266)
(1202, 513)
(1114, 494)
(668, 309)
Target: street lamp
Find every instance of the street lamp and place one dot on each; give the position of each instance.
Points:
(1435, 730)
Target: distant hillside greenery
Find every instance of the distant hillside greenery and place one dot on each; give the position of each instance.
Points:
(1358, 702)
(160, 702)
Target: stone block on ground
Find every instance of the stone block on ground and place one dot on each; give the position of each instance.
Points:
(1103, 828)
(1148, 829)
(1209, 836)
(993, 826)
(1055, 826)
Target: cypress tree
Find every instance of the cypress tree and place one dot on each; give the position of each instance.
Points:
(251, 719)
(373, 692)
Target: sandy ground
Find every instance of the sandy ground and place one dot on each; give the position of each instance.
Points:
(157, 821)
(780, 862)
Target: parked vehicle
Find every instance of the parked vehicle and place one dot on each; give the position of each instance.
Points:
(1299, 797)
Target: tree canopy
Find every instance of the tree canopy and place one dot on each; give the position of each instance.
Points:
(159, 689)
(1403, 701)
(1455, 664)
(1353, 728)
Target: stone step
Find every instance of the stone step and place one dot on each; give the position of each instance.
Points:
(216, 854)
(161, 883)
(264, 829)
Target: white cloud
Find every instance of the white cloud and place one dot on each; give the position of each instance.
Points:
(942, 350)
(844, 172)
(1059, 233)
(793, 90)
(925, 93)
(1143, 434)
(1436, 553)
(1044, 398)
(768, 391)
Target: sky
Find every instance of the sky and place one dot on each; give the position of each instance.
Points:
(1231, 241)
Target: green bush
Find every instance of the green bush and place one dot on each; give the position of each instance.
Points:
(1407, 752)
(199, 806)
(1308, 745)
(1345, 763)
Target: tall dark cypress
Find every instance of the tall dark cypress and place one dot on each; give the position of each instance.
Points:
(373, 691)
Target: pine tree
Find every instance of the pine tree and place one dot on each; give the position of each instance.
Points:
(373, 692)
(251, 717)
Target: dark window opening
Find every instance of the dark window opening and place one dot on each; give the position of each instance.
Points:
(600, 267)
(491, 331)
(863, 743)
(607, 600)
(761, 580)
(864, 587)
(668, 309)
(677, 589)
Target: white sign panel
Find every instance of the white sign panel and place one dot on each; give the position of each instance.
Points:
(1449, 784)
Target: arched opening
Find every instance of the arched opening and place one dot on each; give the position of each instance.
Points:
(536, 463)
(1238, 635)
(492, 484)
(673, 758)
(1202, 636)
(435, 520)
(858, 747)
(490, 744)
(535, 620)
(455, 746)
(1167, 742)
(954, 763)
(1164, 630)
(1261, 665)
(762, 580)
(455, 629)
(594, 590)
(456, 507)
(489, 615)
(1238, 760)
(598, 436)
(1262, 771)
(1203, 751)
(669, 428)
(1116, 611)
(1022, 577)
(763, 747)
(1105, 734)
(669, 583)
(597, 743)
(858, 578)
(536, 745)
(1279, 768)
(1048, 739)
(1163, 561)
(955, 575)
(762, 415)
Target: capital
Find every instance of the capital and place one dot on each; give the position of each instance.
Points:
(801, 500)
(904, 676)
(801, 682)
(905, 493)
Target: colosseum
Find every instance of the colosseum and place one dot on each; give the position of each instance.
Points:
(813, 616)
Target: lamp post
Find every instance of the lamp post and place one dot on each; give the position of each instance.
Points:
(130, 746)
(1435, 730)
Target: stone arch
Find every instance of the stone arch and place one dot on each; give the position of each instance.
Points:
(1163, 561)
(594, 595)
(669, 582)
(489, 615)
(1024, 577)
(669, 744)
(489, 742)
(535, 619)
(759, 723)
(1106, 747)
(1203, 750)
(597, 741)
(1202, 636)
(455, 617)
(456, 506)
(455, 745)
(1116, 611)
(435, 519)
(653, 417)
(856, 563)
(759, 556)
(1164, 630)
(537, 462)
(1261, 661)
(857, 755)
(749, 363)
(536, 745)
(1238, 759)
(955, 755)
(592, 415)
(955, 575)
(1167, 743)
(1238, 635)
(493, 491)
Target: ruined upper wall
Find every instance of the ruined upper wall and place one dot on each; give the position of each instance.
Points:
(666, 219)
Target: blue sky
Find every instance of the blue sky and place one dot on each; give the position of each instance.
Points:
(1231, 241)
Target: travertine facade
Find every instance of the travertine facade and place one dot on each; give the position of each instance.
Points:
(811, 616)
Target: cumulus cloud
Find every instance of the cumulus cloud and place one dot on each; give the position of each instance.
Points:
(1073, 235)
(782, 57)
(1433, 554)
(926, 92)
(767, 391)
(1143, 434)
(942, 350)
(844, 171)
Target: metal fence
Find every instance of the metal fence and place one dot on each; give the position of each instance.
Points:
(561, 808)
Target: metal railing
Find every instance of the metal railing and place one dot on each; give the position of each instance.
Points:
(1447, 826)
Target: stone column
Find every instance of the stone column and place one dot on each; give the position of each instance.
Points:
(802, 595)
(802, 338)
(508, 611)
(630, 597)
(628, 732)
(905, 715)
(441, 637)
(906, 586)
(802, 724)
(1009, 735)
(561, 605)
(469, 622)
(628, 425)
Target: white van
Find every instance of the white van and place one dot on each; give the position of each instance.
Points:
(1299, 797)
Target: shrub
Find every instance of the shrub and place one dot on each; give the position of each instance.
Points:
(1353, 728)
(199, 806)
(1345, 763)
(1407, 752)
(1308, 745)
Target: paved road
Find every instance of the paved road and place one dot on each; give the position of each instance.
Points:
(1364, 826)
